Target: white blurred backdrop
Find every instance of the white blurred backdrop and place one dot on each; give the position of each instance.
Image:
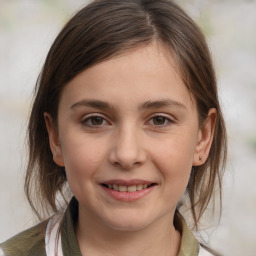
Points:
(27, 29)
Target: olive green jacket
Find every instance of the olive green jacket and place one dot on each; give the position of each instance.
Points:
(36, 240)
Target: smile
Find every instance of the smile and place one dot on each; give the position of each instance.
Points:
(128, 191)
(124, 188)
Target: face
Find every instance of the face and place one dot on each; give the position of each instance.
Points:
(128, 135)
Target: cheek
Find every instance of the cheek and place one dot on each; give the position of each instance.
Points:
(82, 159)
(175, 153)
(174, 161)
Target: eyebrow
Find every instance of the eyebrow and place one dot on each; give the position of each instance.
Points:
(92, 103)
(147, 105)
(162, 103)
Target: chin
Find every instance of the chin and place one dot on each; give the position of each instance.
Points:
(128, 223)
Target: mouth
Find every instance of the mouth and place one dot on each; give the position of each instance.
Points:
(129, 188)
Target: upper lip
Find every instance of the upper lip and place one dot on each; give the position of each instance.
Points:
(128, 182)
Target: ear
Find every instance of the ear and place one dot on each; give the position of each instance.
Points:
(54, 140)
(204, 138)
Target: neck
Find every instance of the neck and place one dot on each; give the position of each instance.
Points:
(95, 238)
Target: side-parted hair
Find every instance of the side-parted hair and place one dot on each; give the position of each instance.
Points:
(100, 31)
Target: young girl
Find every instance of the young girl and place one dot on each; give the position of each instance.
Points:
(126, 119)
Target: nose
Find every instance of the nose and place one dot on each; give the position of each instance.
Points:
(127, 150)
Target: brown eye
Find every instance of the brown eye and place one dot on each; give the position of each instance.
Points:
(159, 120)
(94, 121)
(97, 120)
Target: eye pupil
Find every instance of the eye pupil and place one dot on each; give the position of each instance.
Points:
(159, 120)
(97, 120)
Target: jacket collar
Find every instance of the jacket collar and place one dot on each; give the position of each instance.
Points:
(189, 244)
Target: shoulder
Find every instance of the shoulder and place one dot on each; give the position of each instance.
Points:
(27, 243)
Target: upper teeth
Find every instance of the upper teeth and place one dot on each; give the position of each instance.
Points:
(131, 188)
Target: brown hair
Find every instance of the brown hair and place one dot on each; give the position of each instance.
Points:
(99, 31)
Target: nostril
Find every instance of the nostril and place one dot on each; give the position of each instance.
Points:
(126, 166)
(127, 153)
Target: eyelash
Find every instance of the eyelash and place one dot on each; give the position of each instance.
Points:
(167, 121)
(90, 118)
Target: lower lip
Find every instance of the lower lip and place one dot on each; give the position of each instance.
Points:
(128, 196)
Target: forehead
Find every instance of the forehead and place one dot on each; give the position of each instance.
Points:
(144, 73)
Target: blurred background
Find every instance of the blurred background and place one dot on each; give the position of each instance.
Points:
(27, 29)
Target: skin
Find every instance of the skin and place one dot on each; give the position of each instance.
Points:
(125, 140)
